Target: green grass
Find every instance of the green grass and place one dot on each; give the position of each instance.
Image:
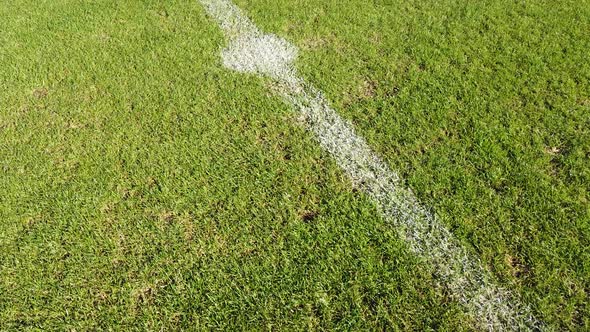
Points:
(145, 186)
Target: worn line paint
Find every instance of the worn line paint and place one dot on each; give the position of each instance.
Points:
(251, 51)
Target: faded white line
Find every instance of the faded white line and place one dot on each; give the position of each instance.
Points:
(251, 51)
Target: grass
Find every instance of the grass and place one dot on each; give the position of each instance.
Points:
(144, 186)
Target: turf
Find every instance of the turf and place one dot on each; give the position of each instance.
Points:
(144, 186)
(484, 109)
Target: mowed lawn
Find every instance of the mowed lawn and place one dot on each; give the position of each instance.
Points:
(144, 186)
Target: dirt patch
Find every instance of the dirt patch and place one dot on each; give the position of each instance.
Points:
(40, 93)
(554, 150)
(308, 216)
(368, 89)
(517, 267)
(166, 216)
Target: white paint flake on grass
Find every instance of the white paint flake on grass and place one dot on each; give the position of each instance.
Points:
(251, 51)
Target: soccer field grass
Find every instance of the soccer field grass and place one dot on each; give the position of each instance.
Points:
(146, 186)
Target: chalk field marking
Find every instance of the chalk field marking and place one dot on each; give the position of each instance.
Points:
(251, 51)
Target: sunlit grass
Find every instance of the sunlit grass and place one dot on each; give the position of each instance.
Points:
(145, 186)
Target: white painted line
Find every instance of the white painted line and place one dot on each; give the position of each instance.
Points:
(251, 51)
